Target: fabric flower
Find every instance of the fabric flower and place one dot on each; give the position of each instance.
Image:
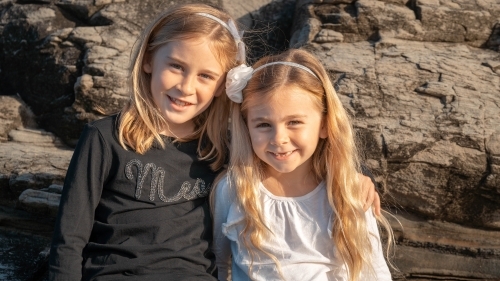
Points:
(236, 80)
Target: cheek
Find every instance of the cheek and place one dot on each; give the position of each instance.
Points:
(206, 101)
(159, 80)
(257, 139)
(259, 149)
(208, 93)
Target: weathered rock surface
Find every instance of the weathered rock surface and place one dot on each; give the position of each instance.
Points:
(420, 77)
(444, 251)
(40, 201)
(474, 23)
(13, 114)
(32, 160)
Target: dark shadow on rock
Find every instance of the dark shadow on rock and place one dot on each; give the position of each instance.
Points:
(270, 29)
(24, 257)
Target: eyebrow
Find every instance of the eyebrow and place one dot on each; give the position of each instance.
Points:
(203, 70)
(294, 116)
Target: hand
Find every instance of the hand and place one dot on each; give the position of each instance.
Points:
(372, 199)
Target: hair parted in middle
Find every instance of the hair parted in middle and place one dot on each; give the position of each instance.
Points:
(335, 160)
(140, 120)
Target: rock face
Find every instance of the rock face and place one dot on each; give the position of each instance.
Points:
(31, 158)
(421, 79)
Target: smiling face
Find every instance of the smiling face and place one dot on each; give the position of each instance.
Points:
(185, 77)
(285, 131)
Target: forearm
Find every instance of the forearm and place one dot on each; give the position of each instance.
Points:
(222, 245)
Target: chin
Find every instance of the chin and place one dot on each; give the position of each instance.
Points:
(282, 170)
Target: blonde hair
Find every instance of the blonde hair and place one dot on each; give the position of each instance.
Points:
(335, 160)
(140, 120)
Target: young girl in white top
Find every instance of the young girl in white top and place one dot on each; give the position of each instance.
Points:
(291, 206)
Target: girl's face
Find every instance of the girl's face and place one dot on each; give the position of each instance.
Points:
(185, 77)
(285, 130)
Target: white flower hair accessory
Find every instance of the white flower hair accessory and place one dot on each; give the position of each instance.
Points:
(236, 80)
(238, 77)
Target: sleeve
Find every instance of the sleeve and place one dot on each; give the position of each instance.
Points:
(80, 196)
(379, 264)
(222, 245)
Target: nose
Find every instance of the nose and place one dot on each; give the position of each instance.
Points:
(280, 136)
(187, 85)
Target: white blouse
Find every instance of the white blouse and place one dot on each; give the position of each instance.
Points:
(301, 239)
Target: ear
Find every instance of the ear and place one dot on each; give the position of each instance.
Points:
(323, 132)
(146, 64)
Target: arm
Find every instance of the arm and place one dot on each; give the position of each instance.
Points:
(222, 245)
(80, 196)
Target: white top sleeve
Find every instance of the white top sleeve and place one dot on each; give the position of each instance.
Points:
(379, 264)
(224, 196)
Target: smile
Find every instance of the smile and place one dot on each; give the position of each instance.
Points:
(282, 155)
(179, 102)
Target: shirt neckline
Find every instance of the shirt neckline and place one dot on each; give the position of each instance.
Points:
(298, 198)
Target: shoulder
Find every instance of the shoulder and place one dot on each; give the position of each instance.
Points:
(105, 123)
(222, 184)
(105, 127)
(224, 190)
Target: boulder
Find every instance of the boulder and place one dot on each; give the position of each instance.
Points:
(39, 202)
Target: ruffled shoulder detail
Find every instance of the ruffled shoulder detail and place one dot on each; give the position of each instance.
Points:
(330, 224)
(231, 229)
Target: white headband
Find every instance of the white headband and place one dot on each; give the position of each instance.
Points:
(237, 78)
(286, 63)
(231, 27)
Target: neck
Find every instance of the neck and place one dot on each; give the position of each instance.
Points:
(293, 184)
(178, 130)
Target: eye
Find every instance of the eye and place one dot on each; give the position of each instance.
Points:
(176, 66)
(262, 125)
(206, 76)
(295, 122)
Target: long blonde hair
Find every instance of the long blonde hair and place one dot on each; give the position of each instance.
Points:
(140, 120)
(335, 160)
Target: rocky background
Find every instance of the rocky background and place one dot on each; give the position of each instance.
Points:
(420, 77)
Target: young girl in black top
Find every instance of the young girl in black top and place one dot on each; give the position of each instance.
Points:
(134, 200)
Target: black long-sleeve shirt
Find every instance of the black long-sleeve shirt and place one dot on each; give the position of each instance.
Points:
(126, 216)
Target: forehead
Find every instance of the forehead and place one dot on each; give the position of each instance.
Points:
(198, 51)
(183, 46)
(284, 101)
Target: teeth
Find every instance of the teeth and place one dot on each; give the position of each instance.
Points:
(179, 102)
(283, 154)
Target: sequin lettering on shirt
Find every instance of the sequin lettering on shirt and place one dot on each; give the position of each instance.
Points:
(157, 180)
